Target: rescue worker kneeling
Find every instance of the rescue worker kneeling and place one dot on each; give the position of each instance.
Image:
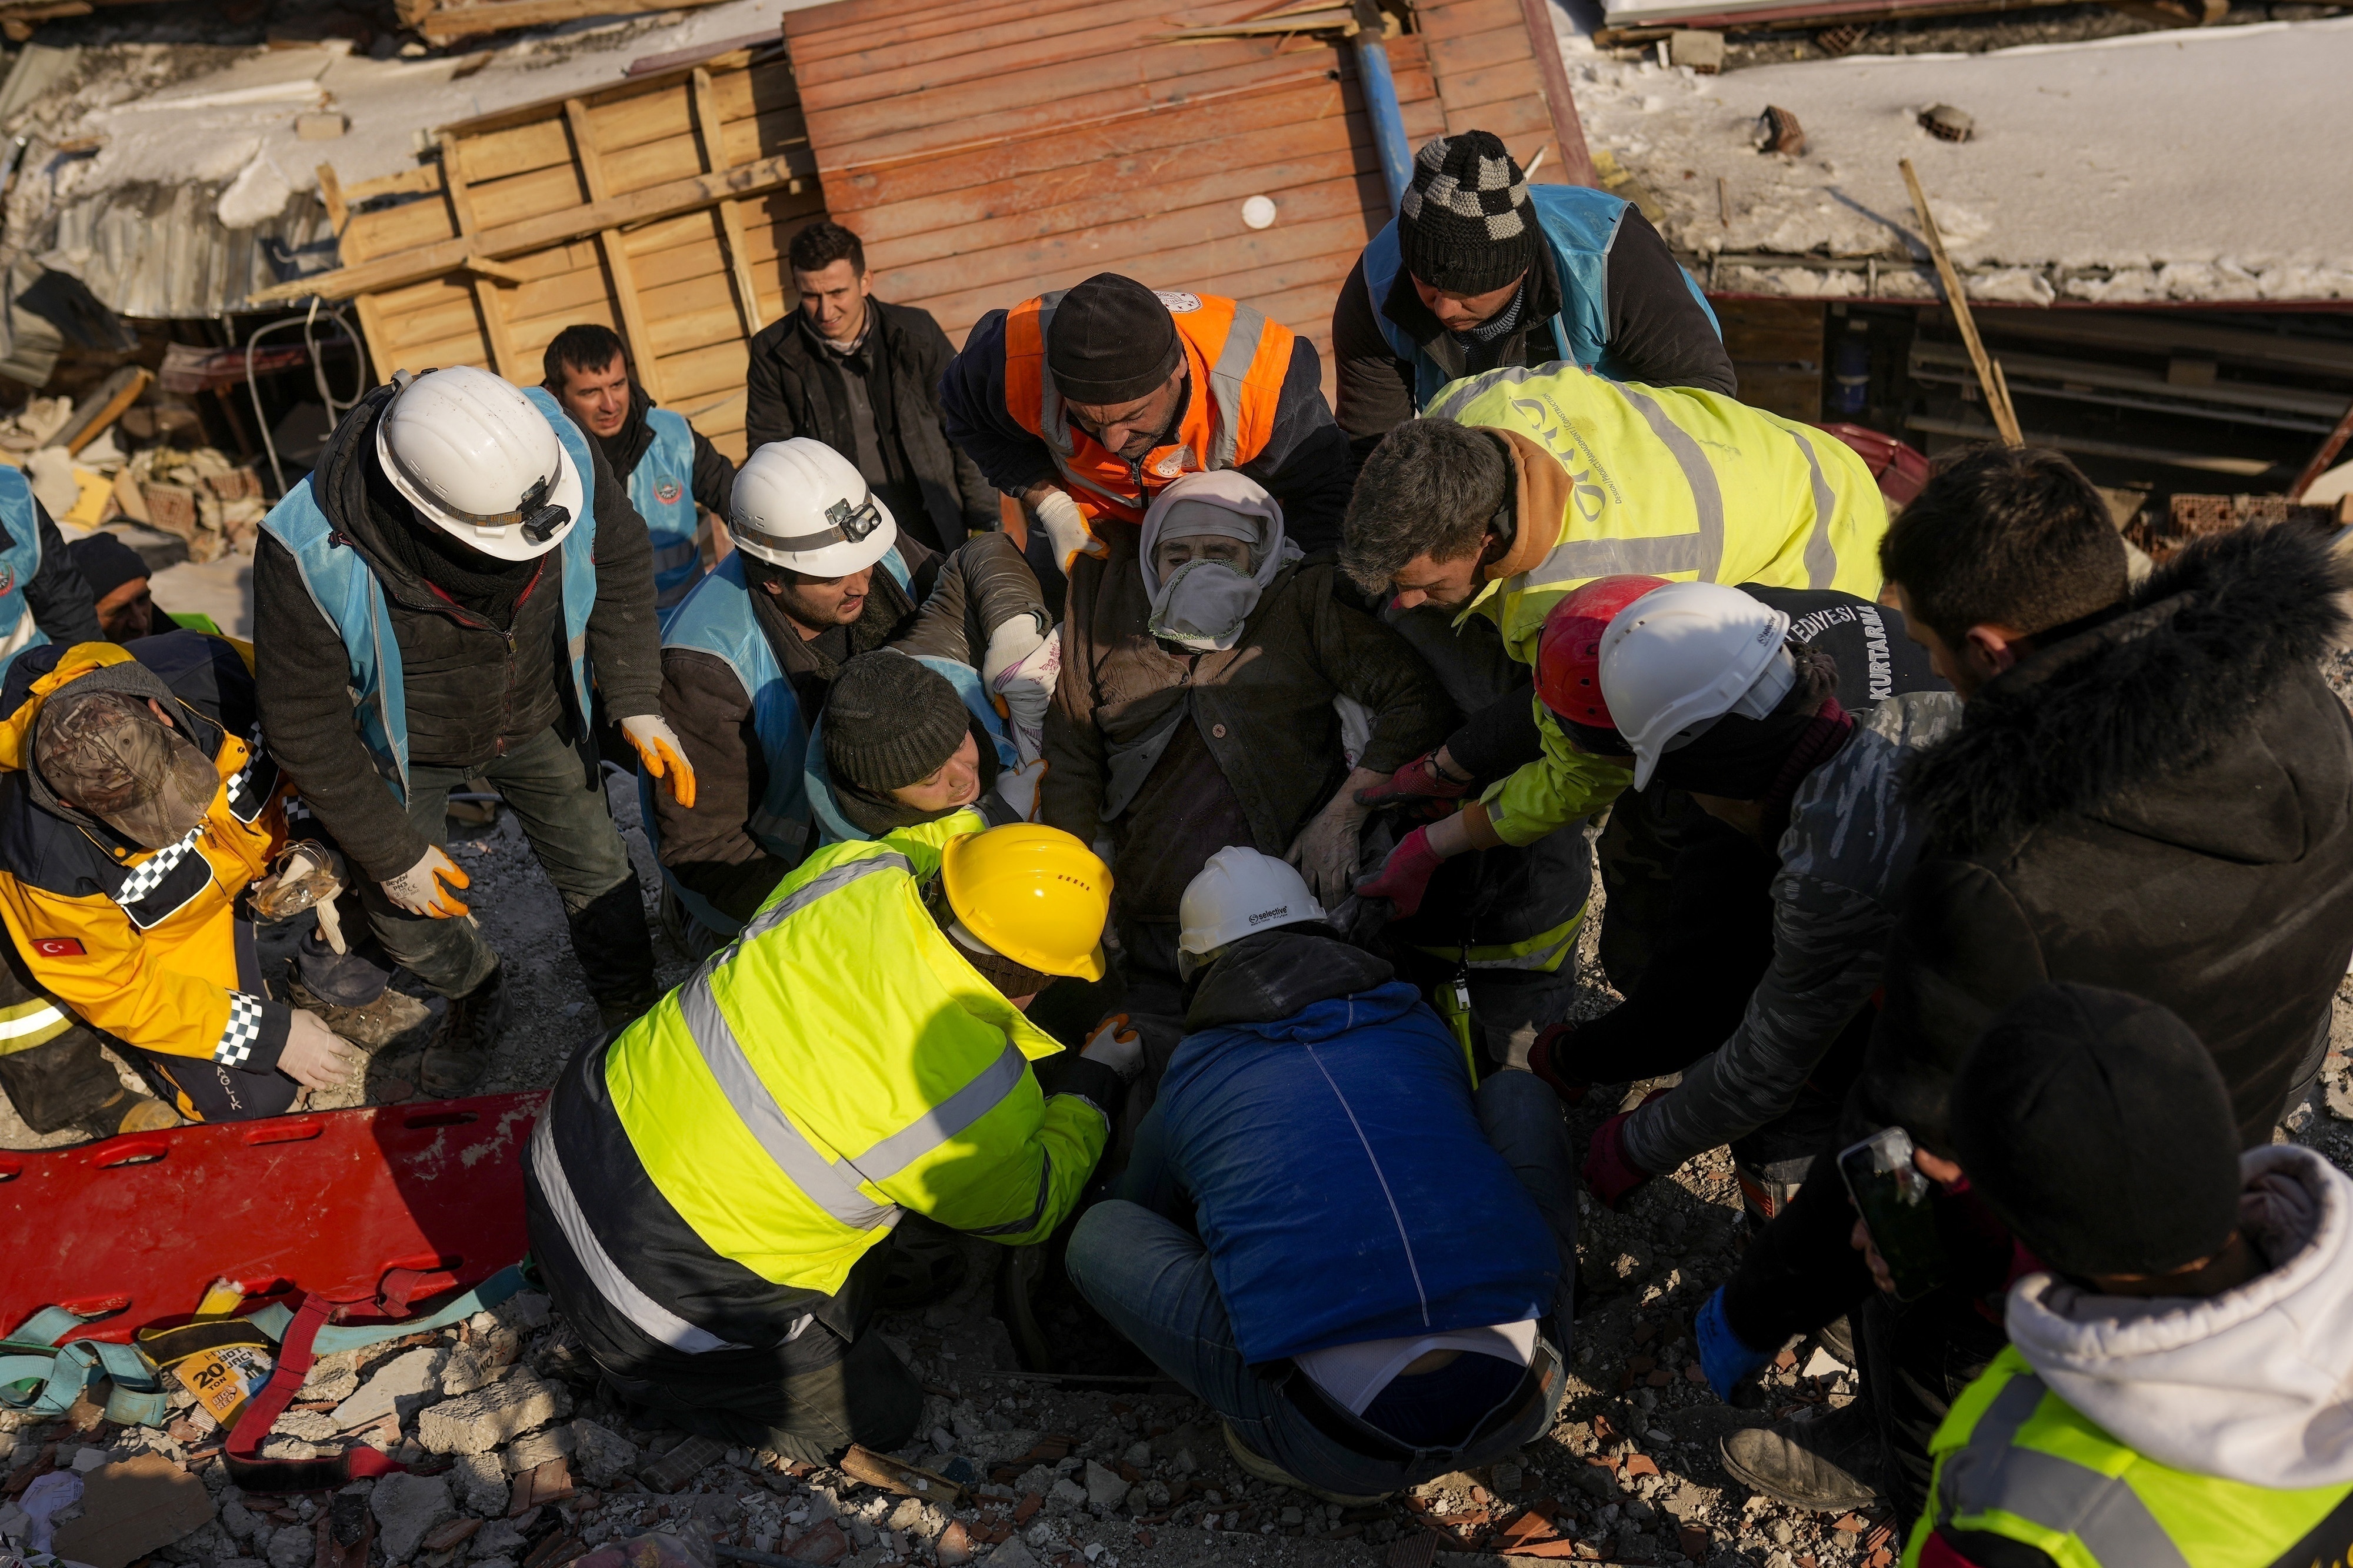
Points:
(133, 814)
(711, 1192)
(1374, 1288)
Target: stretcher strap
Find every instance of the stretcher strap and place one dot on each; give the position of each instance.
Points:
(38, 1374)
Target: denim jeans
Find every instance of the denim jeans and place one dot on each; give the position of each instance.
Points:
(561, 805)
(1151, 1277)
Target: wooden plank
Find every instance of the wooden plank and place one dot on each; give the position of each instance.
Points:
(617, 261)
(653, 81)
(1524, 123)
(404, 228)
(647, 116)
(1436, 22)
(440, 26)
(519, 149)
(1451, 58)
(1560, 100)
(1504, 83)
(330, 196)
(373, 340)
(859, 14)
(423, 181)
(645, 206)
(731, 221)
(820, 49)
(766, 135)
(1027, 40)
(486, 293)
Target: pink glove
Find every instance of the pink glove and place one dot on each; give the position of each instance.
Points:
(1405, 876)
(1609, 1172)
(1420, 782)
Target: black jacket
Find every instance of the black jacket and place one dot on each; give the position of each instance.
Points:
(790, 391)
(473, 689)
(715, 475)
(1658, 333)
(2161, 805)
(58, 598)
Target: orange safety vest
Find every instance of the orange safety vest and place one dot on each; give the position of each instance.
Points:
(1237, 354)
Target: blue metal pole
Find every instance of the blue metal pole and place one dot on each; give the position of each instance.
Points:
(1381, 103)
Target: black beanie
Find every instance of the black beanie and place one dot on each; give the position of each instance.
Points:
(891, 722)
(1465, 226)
(1111, 341)
(106, 563)
(2095, 1126)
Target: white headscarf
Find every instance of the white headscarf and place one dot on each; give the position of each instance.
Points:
(1203, 604)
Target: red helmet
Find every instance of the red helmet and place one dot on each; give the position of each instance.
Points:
(1568, 649)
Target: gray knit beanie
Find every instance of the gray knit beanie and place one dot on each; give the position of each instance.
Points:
(1465, 226)
(891, 722)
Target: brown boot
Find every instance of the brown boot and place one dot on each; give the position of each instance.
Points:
(1827, 1460)
(127, 1111)
(372, 1027)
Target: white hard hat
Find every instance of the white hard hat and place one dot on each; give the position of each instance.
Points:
(1681, 657)
(472, 455)
(1239, 891)
(801, 505)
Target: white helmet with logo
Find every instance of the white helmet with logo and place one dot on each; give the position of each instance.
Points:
(1680, 657)
(473, 456)
(1237, 892)
(801, 505)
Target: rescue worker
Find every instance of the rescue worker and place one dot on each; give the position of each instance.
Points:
(1521, 484)
(1712, 689)
(135, 813)
(1480, 270)
(820, 574)
(43, 597)
(2175, 1388)
(711, 1193)
(1324, 1233)
(1086, 403)
(439, 593)
(671, 468)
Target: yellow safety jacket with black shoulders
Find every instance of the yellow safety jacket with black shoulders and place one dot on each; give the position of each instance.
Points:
(715, 1172)
(1673, 482)
(144, 945)
(2013, 1460)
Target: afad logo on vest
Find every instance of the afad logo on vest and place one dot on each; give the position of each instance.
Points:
(668, 492)
(1179, 460)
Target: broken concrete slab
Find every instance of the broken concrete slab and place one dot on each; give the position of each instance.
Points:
(604, 1456)
(490, 1415)
(532, 1449)
(408, 1507)
(479, 1482)
(402, 1386)
(1106, 1488)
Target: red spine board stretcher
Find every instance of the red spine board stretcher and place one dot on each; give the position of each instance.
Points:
(330, 1203)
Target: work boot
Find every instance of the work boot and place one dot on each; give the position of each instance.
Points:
(1267, 1470)
(128, 1112)
(1016, 1278)
(617, 1013)
(371, 1025)
(1837, 1336)
(616, 951)
(1826, 1460)
(460, 1051)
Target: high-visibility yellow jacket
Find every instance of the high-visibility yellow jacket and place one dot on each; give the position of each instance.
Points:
(144, 944)
(840, 1063)
(1679, 483)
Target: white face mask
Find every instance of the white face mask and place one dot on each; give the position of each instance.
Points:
(1202, 606)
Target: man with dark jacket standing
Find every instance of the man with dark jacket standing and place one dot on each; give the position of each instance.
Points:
(863, 376)
(670, 468)
(2151, 789)
(1480, 270)
(438, 593)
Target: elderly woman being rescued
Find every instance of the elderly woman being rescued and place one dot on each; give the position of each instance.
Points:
(1194, 711)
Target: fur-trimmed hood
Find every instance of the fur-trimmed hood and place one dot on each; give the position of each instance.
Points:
(2084, 726)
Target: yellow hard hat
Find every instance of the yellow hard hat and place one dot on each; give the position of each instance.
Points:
(1034, 894)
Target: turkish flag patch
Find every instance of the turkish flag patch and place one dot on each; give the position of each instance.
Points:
(59, 947)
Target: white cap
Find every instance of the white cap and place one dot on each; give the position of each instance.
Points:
(473, 456)
(1680, 657)
(803, 506)
(1237, 892)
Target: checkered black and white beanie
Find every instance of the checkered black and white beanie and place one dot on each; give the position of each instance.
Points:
(1465, 226)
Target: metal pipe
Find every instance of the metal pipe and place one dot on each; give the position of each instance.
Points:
(1381, 109)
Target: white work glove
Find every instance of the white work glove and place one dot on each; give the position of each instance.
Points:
(420, 889)
(1018, 787)
(1117, 1045)
(1066, 529)
(1022, 667)
(315, 1056)
(658, 748)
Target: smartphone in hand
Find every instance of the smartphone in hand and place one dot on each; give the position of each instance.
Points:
(1891, 1196)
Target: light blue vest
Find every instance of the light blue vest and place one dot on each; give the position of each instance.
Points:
(661, 488)
(1579, 224)
(717, 618)
(833, 827)
(344, 588)
(21, 562)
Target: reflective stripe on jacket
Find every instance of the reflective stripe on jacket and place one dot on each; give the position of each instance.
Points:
(2013, 1460)
(716, 617)
(1579, 224)
(661, 486)
(1237, 359)
(343, 587)
(1667, 480)
(20, 563)
(793, 1098)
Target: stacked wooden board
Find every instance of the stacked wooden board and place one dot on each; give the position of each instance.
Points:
(986, 152)
(660, 208)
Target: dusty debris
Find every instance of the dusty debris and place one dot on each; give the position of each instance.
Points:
(1947, 123)
(1778, 131)
(1697, 47)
